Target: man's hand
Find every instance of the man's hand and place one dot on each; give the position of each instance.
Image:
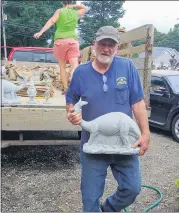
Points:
(37, 35)
(143, 143)
(74, 117)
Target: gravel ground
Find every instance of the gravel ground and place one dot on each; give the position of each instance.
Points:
(47, 178)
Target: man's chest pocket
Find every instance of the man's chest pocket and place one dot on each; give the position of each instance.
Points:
(122, 94)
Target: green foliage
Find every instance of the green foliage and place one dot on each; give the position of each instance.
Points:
(100, 13)
(158, 37)
(177, 183)
(171, 39)
(135, 55)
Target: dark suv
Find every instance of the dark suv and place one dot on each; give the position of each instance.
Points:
(164, 101)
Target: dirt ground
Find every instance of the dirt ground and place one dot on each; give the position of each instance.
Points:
(47, 178)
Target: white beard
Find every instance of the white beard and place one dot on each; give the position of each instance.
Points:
(104, 59)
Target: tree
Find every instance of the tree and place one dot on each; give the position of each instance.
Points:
(172, 39)
(100, 13)
(24, 18)
(158, 37)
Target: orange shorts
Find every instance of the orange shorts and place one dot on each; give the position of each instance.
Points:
(64, 49)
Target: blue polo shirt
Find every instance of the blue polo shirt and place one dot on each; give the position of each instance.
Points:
(124, 90)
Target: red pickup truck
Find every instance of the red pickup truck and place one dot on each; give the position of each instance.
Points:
(32, 54)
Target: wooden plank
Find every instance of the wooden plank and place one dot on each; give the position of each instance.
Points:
(144, 74)
(148, 65)
(6, 143)
(135, 34)
(85, 54)
(40, 119)
(132, 50)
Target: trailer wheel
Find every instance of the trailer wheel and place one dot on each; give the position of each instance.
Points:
(79, 134)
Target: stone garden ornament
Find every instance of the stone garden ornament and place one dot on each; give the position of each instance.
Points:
(48, 84)
(32, 92)
(9, 89)
(112, 133)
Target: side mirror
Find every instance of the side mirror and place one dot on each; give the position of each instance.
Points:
(162, 89)
(164, 92)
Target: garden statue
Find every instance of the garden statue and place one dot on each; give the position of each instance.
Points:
(9, 89)
(32, 92)
(172, 61)
(47, 96)
(111, 133)
(48, 84)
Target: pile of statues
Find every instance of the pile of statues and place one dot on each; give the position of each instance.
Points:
(9, 89)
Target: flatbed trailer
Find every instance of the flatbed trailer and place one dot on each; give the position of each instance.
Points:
(42, 117)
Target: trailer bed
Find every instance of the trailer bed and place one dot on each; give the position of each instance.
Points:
(37, 117)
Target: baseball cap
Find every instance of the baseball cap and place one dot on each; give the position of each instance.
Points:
(108, 32)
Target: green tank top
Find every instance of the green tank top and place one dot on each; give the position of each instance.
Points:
(66, 24)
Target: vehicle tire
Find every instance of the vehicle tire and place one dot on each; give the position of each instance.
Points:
(175, 128)
(79, 134)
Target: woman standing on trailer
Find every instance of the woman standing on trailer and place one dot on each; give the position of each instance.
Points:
(66, 45)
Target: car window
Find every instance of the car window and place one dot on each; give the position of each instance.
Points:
(157, 84)
(174, 82)
(38, 56)
(50, 58)
(22, 56)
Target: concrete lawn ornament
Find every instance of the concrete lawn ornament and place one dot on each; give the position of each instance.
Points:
(48, 83)
(111, 133)
(32, 92)
(9, 89)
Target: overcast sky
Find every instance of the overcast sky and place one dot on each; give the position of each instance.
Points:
(162, 14)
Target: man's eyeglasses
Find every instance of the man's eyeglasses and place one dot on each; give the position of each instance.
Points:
(105, 86)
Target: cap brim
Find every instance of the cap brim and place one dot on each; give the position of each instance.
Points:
(107, 37)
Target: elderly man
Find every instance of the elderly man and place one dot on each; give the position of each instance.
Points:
(108, 84)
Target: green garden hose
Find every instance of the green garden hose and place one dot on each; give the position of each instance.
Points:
(156, 202)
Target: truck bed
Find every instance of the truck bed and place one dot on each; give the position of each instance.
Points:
(39, 117)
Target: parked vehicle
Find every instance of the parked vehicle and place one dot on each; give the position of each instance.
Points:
(32, 54)
(164, 101)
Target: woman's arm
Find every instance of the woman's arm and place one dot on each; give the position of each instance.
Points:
(81, 9)
(49, 24)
